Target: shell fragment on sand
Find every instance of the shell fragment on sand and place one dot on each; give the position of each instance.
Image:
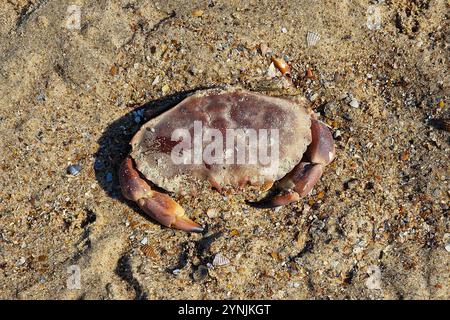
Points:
(220, 260)
(312, 38)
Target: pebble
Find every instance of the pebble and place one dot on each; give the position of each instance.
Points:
(144, 241)
(446, 240)
(354, 103)
(165, 89)
(40, 97)
(21, 261)
(337, 134)
(176, 271)
(197, 13)
(313, 96)
(155, 81)
(283, 30)
(74, 169)
(200, 273)
(211, 213)
(329, 108)
(264, 49)
(374, 280)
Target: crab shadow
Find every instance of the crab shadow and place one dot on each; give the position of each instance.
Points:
(114, 142)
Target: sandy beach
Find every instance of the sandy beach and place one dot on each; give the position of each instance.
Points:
(78, 79)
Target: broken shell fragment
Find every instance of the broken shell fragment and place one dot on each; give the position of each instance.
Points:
(281, 65)
(441, 124)
(148, 251)
(271, 72)
(312, 38)
(220, 260)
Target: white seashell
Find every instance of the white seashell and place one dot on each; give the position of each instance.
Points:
(220, 260)
(212, 213)
(312, 38)
(272, 71)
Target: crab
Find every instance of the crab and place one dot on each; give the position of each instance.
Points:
(164, 159)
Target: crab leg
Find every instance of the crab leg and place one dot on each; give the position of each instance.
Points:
(157, 205)
(301, 180)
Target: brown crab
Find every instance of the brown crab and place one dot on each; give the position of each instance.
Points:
(304, 145)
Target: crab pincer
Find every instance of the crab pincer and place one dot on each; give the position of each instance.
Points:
(300, 181)
(157, 205)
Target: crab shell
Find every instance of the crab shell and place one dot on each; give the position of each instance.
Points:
(170, 151)
(242, 111)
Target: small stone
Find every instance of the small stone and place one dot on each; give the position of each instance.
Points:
(211, 213)
(343, 96)
(337, 134)
(155, 81)
(201, 273)
(354, 103)
(306, 208)
(374, 280)
(21, 261)
(40, 97)
(74, 169)
(313, 96)
(264, 49)
(283, 30)
(197, 13)
(276, 209)
(165, 89)
(446, 240)
(234, 233)
(176, 271)
(144, 241)
(351, 184)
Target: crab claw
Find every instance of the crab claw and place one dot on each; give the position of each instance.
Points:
(157, 205)
(279, 200)
(301, 180)
(322, 149)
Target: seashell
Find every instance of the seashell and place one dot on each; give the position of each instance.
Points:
(281, 65)
(271, 72)
(312, 38)
(441, 124)
(220, 260)
(148, 251)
